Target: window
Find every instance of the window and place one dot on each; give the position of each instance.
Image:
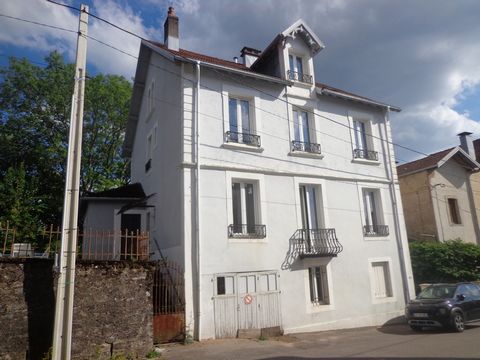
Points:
(304, 133)
(296, 69)
(225, 285)
(151, 98)
(241, 128)
(150, 146)
(382, 287)
(373, 225)
(363, 142)
(309, 206)
(454, 212)
(246, 217)
(318, 285)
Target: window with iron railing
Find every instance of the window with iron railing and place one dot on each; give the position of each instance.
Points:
(241, 126)
(246, 216)
(365, 154)
(296, 72)
(363, 140)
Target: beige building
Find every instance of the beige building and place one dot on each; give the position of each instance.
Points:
(441, 194)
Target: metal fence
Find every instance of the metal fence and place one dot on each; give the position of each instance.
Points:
(92, 244)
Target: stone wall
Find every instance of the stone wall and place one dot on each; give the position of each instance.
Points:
(112, 309)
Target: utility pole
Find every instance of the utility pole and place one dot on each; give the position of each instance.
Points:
(62, 332)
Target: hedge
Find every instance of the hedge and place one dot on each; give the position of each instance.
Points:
(451, 261)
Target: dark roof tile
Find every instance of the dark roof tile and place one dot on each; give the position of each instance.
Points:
(423, 163)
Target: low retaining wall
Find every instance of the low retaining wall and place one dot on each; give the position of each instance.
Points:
(112, 309)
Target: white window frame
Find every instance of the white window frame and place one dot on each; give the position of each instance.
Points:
(260, 206)
(255, 119)
(373, 280)
(378, 195)
(370, 133)
(296, 57)
(313, 124)
(322, 204)
(309, 305)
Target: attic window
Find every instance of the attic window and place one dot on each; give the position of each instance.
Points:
(295, 71)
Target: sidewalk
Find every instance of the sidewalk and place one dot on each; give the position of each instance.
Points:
(390, 342)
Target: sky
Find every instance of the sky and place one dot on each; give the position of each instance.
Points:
(420, 55)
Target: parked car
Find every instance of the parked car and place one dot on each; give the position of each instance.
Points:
(444, 305)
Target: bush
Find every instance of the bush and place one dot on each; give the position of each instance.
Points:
(451, 261)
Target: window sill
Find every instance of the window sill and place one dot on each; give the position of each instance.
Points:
(246, 240)
(305, 154)
(366, 161)
(390, 299)
(376, 237)
(149, 116)
(301, 84)
(318, 308)
(237, 146)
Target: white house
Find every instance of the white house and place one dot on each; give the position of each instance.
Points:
(276, 193)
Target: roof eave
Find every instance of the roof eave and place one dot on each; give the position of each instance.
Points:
(328, 92)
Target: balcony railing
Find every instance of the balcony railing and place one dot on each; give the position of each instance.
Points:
(297, 76)
(242, 138)
(250, 231)
(316, 242)
(376, 230)
(306, 147)
(365, 154)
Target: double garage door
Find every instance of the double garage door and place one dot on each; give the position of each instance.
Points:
(246, 301)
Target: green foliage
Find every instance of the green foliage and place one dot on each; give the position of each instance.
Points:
(452, 261)
(153, 355)
(34, 126)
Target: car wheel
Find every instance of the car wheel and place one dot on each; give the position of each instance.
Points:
(458, 324)
(415, 328)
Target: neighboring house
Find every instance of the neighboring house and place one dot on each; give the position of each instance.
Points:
(276, 193)
(439, 193)
(115, 223)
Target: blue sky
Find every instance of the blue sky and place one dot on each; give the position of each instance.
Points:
(419, 55)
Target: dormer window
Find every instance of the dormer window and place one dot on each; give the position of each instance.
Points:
(295, 71)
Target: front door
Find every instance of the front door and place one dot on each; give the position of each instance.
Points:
(130, 226)
(246, 301)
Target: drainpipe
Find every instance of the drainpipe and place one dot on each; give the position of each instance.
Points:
(197, 296)
(396, 215)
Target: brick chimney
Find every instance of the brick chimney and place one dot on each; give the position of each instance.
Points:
(466, 143)
(170, 30)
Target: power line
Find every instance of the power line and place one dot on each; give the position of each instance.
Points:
(38, 23)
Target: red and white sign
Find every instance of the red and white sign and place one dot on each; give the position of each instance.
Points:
(247, 299)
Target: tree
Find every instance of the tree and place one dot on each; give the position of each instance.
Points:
(34, 123)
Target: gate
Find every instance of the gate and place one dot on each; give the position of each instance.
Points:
(246, 301)
(168, 302)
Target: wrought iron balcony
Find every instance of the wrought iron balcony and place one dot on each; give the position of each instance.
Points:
(316, 242)
(242, 138)
(297, 76)
(250, 231)
(365, 154)
(376, 230)
(306, 147)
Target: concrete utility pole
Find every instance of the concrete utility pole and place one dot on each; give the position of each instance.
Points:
(62, 332)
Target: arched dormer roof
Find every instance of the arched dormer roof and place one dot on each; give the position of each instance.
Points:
(300, 29)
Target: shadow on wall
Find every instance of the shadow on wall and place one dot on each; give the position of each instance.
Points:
(40, 300)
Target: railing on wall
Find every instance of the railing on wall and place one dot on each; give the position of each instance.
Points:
(91, 245)
(365, 154)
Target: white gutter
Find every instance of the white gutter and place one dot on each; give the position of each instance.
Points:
(197, 203)
(396, 215)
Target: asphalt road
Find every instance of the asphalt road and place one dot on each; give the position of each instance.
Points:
(389, 342)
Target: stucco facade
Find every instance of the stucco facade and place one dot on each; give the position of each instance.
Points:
(195, 173)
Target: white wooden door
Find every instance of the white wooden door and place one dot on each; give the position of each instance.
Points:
(253, 303)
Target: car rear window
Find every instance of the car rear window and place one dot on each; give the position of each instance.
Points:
(438, 292)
